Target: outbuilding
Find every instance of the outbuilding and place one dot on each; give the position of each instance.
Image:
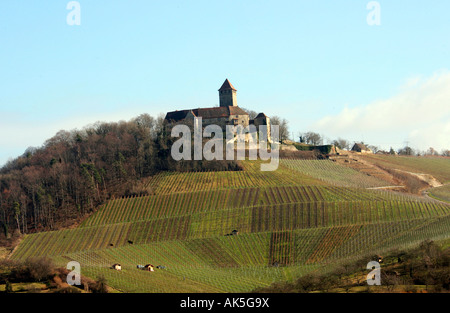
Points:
(361, 148)
(117, 267)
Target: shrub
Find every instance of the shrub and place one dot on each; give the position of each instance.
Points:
(39, 268)
(410, 289)
(8, 287)
(307, 283)
(100, 286)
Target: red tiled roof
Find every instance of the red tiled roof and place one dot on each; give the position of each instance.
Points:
(227, 85)
(212, 112)
(235, 110)
(176, 115)
(206, 113)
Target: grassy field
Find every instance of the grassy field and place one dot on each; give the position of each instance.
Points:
(293, 221)
(441, 193)
(333, 173)
(439, 167)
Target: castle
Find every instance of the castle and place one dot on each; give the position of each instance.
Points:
(228, 113)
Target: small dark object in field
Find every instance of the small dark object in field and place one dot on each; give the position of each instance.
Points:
(130, 242)
(233, 233)
(117, 267)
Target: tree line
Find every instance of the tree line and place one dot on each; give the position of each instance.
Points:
(313, 138)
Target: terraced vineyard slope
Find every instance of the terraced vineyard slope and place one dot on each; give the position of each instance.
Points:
(237, 231)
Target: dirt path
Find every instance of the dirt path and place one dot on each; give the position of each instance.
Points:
(427, 178)
(386, 187)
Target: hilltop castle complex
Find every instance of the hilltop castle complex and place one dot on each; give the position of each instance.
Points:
(228, 113)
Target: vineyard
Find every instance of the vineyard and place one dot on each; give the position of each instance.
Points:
(307, 215)
(333, 173)
(180, 204)
(251, 176)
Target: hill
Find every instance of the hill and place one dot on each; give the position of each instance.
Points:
(438, 167)
(290, 222)
(64, 181)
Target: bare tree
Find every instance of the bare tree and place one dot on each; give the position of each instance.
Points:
(251, 114)
(374, 149)
(341, 143)
(283, 127)
(406, 151)
(431, 151)
(312, 138)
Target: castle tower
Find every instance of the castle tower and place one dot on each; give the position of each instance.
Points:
(227, 95)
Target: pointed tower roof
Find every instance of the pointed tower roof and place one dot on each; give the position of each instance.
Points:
(227, 85)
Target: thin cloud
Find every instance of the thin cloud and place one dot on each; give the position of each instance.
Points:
(419, 113)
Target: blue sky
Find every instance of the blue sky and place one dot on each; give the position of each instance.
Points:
(316, 63)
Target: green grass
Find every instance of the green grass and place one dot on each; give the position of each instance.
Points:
(441, 193)
(439, 167)
(26, 287)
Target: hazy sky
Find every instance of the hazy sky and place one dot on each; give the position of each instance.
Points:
(317, 63)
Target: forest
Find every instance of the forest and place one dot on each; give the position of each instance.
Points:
(74, 171)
